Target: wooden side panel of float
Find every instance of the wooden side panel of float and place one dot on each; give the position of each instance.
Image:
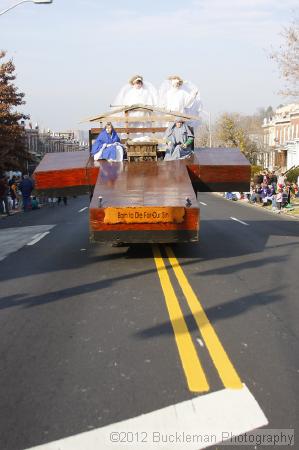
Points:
(65, 173)
(219, 170)
(215, 170)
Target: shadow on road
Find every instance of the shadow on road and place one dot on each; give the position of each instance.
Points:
(26, 300)
(215, 313)
(219, 241)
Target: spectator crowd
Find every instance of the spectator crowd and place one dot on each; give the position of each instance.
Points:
(268, 189)
(17, 194)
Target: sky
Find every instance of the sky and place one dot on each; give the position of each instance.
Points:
(73, 56)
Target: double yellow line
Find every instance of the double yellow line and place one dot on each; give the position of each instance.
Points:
(195, 375)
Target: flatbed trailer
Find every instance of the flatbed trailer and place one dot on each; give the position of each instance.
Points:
(143, 201)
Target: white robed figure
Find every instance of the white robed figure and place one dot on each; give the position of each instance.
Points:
(137, 91)
(178, 95)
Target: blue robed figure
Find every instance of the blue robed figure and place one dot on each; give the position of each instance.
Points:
(107, 145)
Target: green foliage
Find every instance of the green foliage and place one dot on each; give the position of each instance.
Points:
(292, 175)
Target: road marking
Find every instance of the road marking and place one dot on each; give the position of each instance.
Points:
(207, 419)
(35, 236)
(202, 203)
(83, 209)
(13, 239)
(196, 378)
(200, 342)
(38, 237)
(240, 221)
(219, 356)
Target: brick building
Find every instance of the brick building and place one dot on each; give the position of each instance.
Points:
(39, 143)
(281, 138)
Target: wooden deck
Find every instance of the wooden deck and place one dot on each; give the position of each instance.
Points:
(143, 201)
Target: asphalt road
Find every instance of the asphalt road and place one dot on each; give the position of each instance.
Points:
(87, 338)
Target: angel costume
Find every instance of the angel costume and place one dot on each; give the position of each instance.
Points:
(132, 94)
(184, 98)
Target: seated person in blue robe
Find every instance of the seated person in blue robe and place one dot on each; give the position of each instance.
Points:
(179, 139)
(107, 145)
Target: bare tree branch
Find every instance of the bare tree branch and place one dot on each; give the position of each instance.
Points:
(287, 58)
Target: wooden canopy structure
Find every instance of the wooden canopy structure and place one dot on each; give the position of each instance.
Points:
(124, 111)
(155, 121)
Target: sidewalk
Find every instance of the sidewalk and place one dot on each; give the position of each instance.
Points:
(13, 212)
(292, 211)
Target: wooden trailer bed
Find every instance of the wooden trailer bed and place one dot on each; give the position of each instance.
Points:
(143, 201)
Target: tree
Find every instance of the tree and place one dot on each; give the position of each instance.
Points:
(292, 175)
(228, 131)
(202, 135)
(13, 151)
(287, 58)
(234, 130)
(263, 113)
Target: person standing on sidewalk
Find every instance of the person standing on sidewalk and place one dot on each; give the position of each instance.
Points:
(26, 187)
(279, 199)
(281, 180)
(13, 191)
(64, 199)
(273, 179)
(4, 190)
